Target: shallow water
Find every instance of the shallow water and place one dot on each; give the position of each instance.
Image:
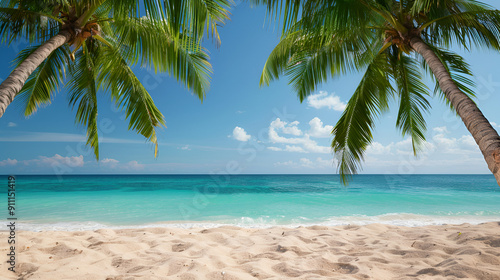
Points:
(96, 201)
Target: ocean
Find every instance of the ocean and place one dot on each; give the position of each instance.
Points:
(86, 202)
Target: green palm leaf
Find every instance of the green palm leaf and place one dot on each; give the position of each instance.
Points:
(44, 81)
(412, 95)
(353, 131)
(35, 26)
(183, 58)
(129, 94)
(83, 92)
(459, 70)
(197, 16)
(106, 38)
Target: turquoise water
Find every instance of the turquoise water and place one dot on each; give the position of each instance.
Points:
(92, 201)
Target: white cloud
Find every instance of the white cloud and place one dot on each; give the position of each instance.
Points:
(133, 166)
(463, 145)
(185, 148)
(286, 163)
(240, 112)
(305, 162)
(288, 148)
(306, 143)
(440, 144)
(295, 149)
(11, 124)
(313, 147)
(287, 128)
(324, 162)
(109, 162)
(441, 154)
(240, 134)
(378, 149)
(8, 161)
(322, 99)
(115, 164)
(494, 124)
(69, 161)
(318, 130)
(441, 129)
(468, 140)
(56, 160)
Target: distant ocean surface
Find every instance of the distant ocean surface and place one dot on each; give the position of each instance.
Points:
(124, 201)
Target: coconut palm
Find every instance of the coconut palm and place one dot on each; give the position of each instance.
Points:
(91, 45)
(394, 42)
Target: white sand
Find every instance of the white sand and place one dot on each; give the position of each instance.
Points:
(348, 252)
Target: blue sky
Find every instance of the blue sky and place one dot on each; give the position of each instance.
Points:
(240, 128)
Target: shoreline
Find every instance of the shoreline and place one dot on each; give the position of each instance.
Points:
(374, 251)
(401, 219)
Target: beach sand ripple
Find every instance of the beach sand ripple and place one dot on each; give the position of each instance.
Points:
(373, 251)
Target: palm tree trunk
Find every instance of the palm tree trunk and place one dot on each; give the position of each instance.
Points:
(15, 82)
(485, 135)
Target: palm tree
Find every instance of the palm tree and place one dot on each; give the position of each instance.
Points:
(91, 45)
(391, 41)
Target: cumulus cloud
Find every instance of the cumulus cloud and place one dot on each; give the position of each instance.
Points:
(318, 129)
(468, 140)
(56, 161)
(240, 134)
(312, 146)
(286, 163)
(377, 148)
(440, 143)
(133, 166)
(441, 129)
(60, 160)
(115, 164)
(302, 144)
(287, 128)
(323, 99)
(288, 148)
(11, 124)
(295, 149)
(324, 162)
(463, 145)
(109, 162)
(8, 162)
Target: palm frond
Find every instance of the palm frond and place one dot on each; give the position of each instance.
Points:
(328, 15)
(129, 94)
(412, 99)
(434, 8)
(284, 11)
(353, 131)
(278, 60)
(44, 81)
(310, 59)
(459, 70)
(197, 16)
(182, 58)
(34, 26)
(469, 28)
(83, 88)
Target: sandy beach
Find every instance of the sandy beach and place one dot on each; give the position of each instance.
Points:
(373, 251)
